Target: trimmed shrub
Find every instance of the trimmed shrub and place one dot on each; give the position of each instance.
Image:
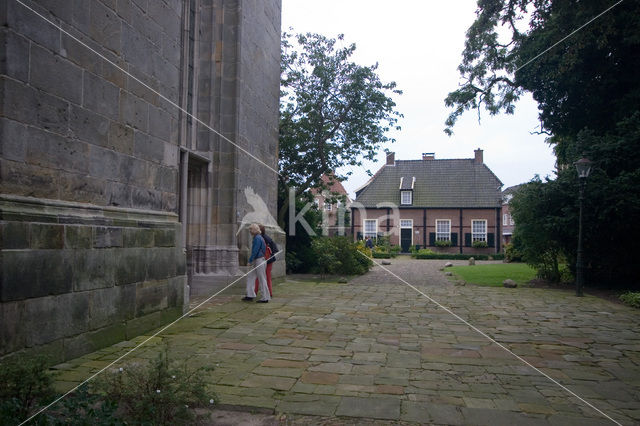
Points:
(443, 243)
(479, 244)
(450, 256)
(511, 254)
(631, 298)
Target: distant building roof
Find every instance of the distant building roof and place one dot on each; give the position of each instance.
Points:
(443, 183)
(332, 184)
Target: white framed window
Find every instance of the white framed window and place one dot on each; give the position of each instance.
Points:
(479, 230)
(406, 197)
(406, 223)
(370, 227)
(505, 219)
(443, 230)
(327, 206)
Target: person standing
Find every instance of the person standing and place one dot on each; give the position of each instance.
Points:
(258, 266)
(272, 249)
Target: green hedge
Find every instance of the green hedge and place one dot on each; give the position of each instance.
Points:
(452, 256)
(381, 255)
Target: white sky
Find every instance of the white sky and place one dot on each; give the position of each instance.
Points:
(418, 44)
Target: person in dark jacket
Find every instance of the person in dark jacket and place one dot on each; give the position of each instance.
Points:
(272, 250)
(258, 266)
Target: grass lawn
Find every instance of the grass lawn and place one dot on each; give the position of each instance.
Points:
(493, 275)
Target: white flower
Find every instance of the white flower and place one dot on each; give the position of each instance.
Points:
(173, 377)
(157, 390)
(211, 401)
(121, 370)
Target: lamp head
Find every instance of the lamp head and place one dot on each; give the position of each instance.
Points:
(583, 166)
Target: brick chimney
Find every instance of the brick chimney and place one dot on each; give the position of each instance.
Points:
(428, 155)
(391, 158)
(478, 159)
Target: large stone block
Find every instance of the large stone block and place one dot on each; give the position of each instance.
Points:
(100, 96)
(104, 237)
(46, 236)
(131, 265)
(14, 58)
(80, 54)
(151, 296)
(118, 195)
(31, 181)
(93, 269)
(148, 148)
(104, 163)
(105, 26)
(146, 199)
(15, 235)
(54, 74)
(35, 273)
(120, 138)
(161, 263)
(28, 24)
(51, 318)
(55, 152)
(82, 188)
(134, 111)
(88, 126)
(165, 237)
(93, 340)
(159, 123)
(78, 237)
(138, 237)
(13, 135)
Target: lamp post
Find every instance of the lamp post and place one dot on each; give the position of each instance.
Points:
(583, 166)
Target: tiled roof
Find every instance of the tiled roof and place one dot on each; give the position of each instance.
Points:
(438, 183)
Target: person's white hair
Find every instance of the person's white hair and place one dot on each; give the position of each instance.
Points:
(254, 228)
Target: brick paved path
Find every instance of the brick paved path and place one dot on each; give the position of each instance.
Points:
(376, 349)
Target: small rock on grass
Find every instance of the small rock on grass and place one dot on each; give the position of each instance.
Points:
(508, 283)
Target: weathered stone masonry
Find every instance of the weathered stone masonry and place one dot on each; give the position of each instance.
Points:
(105, 185)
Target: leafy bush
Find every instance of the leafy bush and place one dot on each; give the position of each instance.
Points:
(158, 392)
(24, 386)
(394, 250)
(339, 255)
(443, 243)
(479, 244)
(422, 252)
(511, 253)
(631, 298)
(451, 256)
(497, 256)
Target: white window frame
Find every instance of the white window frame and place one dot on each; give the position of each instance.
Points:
(366, 233)
(478, 236)
(440, 235)
(505, 219)
(402, 198)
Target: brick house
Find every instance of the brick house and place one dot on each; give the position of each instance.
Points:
(445, 205)
(333, 201)
(508, 225)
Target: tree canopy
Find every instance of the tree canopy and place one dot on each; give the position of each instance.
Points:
(579, 61)
(577, 58)
(333, 112)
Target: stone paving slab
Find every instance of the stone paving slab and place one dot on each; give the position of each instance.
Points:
(373, 350)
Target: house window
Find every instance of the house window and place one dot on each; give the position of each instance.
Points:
(406, 198)
(443, 230)
(478, 230)
(327, 206)
(370, 228)
(505, 219)
(406, 223)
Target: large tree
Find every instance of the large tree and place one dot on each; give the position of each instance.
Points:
(333, 112)
(579, 61)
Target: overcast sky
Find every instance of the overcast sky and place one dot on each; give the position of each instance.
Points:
(418, 44)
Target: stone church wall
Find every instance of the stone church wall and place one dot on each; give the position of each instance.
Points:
(90, 161)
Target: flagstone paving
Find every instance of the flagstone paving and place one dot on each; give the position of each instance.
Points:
(376, 350)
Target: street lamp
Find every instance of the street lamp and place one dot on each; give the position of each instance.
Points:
(583, 166)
